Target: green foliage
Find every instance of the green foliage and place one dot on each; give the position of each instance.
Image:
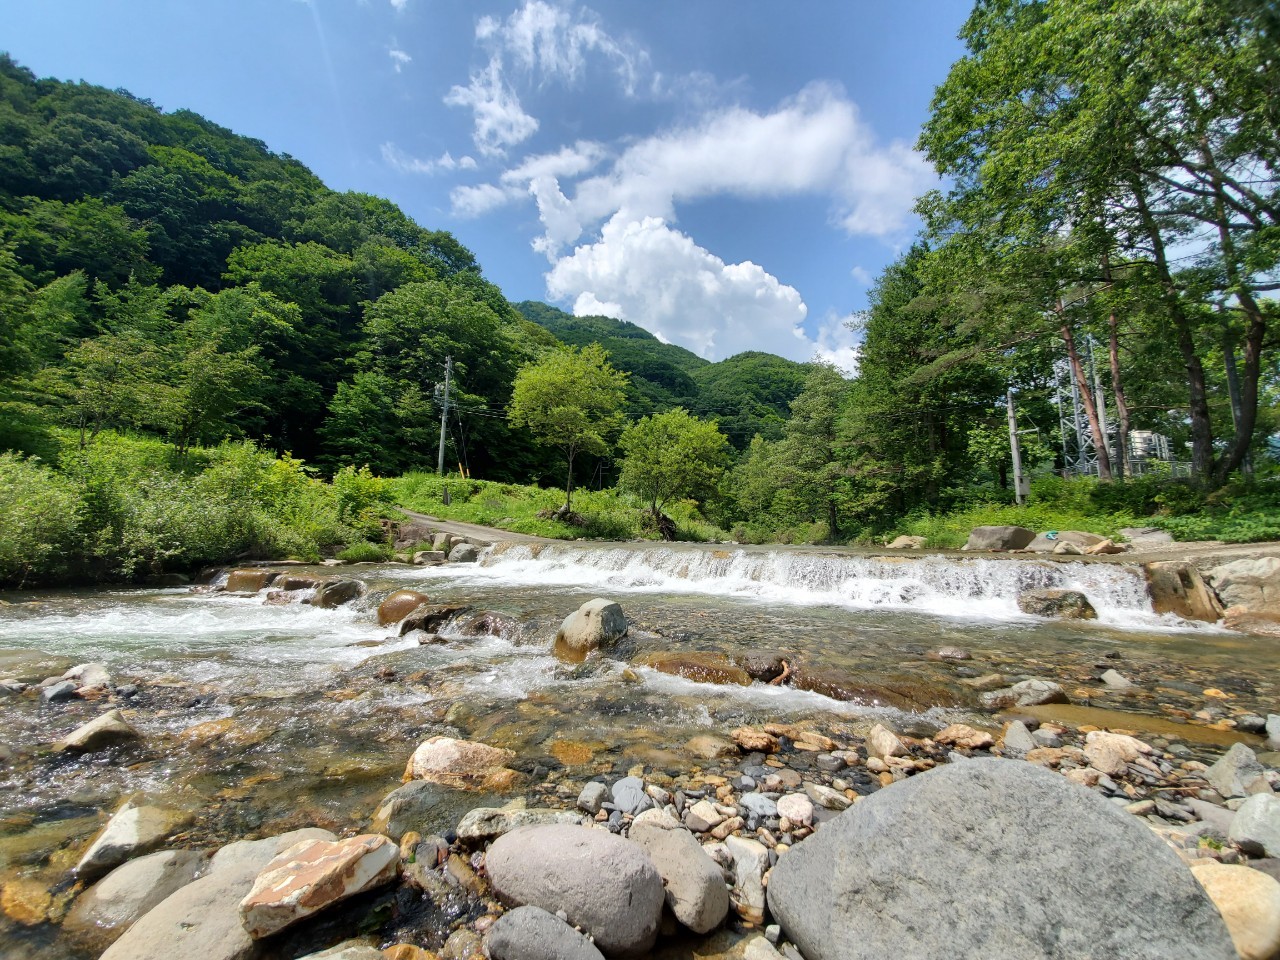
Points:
(1242, 513)
(39, 520)
(366, 552)
(672, 455)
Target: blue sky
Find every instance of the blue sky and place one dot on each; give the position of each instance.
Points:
(729, 175)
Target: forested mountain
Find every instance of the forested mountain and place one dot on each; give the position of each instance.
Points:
(160, 272)
(748, 394)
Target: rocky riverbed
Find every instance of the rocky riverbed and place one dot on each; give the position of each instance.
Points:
(641, 794)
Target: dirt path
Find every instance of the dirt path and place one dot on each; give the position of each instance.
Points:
(473, 531)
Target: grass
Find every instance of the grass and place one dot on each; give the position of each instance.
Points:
(606, 514)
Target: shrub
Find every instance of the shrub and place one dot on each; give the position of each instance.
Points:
(40, 514)
(366, 552)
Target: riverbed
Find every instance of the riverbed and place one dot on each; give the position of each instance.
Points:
(259, 717)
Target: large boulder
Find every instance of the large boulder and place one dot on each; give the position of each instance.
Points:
(112, 905)
(605, 885)
(1057, 604)
(1176, 587)
(593, 625)
(1235, 772)
(202, 919)
(531, 933)
(464, 553)
(695, 888)
(336, 591)
(313, 875)
(1251, 582)
(399, 605)
(998, 538)
(463, 765)
(1019, 861)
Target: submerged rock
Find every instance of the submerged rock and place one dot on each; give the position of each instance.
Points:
(337, 591)
(488, 823)
(700, 666)
(605, 885)
(112, 905)
(430, 617)
(1009, 853)
(463, 765)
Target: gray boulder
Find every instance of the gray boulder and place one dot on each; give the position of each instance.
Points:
(1251, 582)
(592, 797)
(695, 888)
(337, 591)
(488, 823)
(999, 538)
(605, 885)
(134, 829)
(628, 795)
(1020, 862)
(1255, 829)
(464, 553)
(531, 933)
(594, 624)
(108, 908)
(1235, 771)
(202, 919)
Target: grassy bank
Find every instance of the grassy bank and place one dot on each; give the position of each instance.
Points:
(605, 514)
(126, 508)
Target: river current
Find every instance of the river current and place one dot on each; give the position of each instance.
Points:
(260, 717)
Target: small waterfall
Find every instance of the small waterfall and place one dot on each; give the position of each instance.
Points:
(942, 585)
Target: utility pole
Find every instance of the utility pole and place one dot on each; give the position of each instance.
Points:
(444, 412)
(1019, 492)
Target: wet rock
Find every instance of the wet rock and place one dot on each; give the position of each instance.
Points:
(750, 861)
(463, 765)
(313, 875)
(1116, 680)
(293, 582)
(605, 885)
(907, 695)
(464, 553)
(700, 666)
(1249, 902)
(1057, 604)
(108, 908)
(202, 919)
(489, 625)
(337, 591)
(762, 665)
(708, 747)
(1235, 771)
(1028, 693)
(999, 538)
(963, 736)
(905, 542)
(593, 625)
(89, 675)
(695, 889)
(488, 823)
(430, 617)
(399, 605)
(1027, 839)
(98, 734)
(59, 692)
(752, 740)
(531, 933)
(422, 806)
(1176, 587)
(1255, 829)
(134, 829)
(249, 580)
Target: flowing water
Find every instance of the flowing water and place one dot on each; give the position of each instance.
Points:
(260, 717)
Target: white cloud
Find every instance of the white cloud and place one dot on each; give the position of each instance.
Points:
(399, 5)
(397, 159)
(500, 120)
(837, 344)
(646, 272)
(862, 275)
(399, 58)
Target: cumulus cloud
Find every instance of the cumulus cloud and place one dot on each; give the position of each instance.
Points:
(647, 272)
(399, 4)
(398, 159)
(862, 275)
(399, 58)
(540, 42)
(836, 344)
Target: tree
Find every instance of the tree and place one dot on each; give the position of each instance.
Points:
(810, 451)
(569, 400)
(672, 455)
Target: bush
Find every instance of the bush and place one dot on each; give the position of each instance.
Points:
(366, 552)
(40, 514)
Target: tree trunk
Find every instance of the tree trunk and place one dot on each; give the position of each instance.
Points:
(1085, 389)
(1198, 394)
(568, 486)
(1117, 383)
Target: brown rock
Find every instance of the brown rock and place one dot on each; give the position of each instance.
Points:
(1247, 621)
(407, 951)
(313, 875)
(698, 665)
(249, 581)
(961, 735)
(755, 741)
(335, 591)
(763, 665)
(1111, 753)
(1057, 604)
(431, 617)
(904, 693)
(463, 765)
(1176, 587)
(399, 605)
(710, 748)
(25, 901)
